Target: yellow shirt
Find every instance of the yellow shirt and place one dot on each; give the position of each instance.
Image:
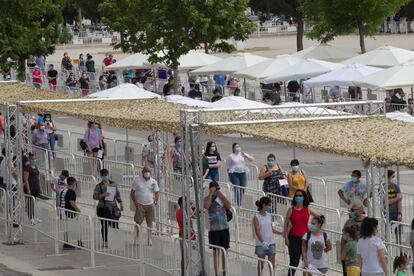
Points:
(298, 183)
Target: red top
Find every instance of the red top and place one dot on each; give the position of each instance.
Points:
(179, 218)
(37, 76)
(299, 220)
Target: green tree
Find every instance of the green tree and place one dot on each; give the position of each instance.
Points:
(331, 18)
(29, 27)
(174, 27)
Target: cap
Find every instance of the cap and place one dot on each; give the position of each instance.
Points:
(178, 138)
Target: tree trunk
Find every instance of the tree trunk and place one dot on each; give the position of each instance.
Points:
(21, 69)
(361, 32)
(80, 19)
(206, 47)
(300, 29)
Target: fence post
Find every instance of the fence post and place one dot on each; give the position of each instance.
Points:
(325, 190)
(92, 237)
(36, 220)
(141, 241)
(237, 230)
(56, 231)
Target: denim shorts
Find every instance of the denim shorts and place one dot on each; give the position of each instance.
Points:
(262, 252)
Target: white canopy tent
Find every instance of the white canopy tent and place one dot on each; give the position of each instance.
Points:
(395, 77)
(193, 60)
(135, 61)
(125, 90)
(268, 67)
(385, 56)
(324, 52)
(178, 99)
(229, 65)
(306, 69)
(343, 76)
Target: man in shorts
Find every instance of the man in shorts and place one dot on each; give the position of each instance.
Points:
(145, 193)
(69, 207)
(217, 204)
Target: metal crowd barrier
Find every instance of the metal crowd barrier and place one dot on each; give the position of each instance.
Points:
(3, 209)
(243, 264)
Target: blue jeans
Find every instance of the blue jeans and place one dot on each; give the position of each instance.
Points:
(52, 143)
(238, 179)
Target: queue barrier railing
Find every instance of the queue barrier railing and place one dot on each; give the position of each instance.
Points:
(3, 209)
(244, 264)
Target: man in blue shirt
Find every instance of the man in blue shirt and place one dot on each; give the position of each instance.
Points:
(220, 80)
(354, 191)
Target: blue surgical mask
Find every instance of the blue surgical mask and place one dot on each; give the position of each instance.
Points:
(268, 210)
(237, 150)
(313, 228)
(353, 215)
(105, 178)
(33, 162)
(299, 200)
(354, 179)
(270, 163)
(178, 144)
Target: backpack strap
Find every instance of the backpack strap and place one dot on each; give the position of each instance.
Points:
(308, 235)
(325, 237)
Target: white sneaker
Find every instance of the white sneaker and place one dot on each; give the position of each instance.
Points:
(149, 242)
(32, 222)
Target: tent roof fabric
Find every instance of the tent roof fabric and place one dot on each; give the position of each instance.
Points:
(325, 52)
(362, 138)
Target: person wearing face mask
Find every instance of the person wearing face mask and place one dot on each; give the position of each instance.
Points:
(31, 183)
(296, 225)
(357, 217)
(145, 194)
(354, 191)
(94, 142)
(394, 204)
(271, 174)
(108, 195)
(50, 128)
(40, 137)
(371, 250)
(297, 179)
(237, 169)
(211, 162)
(264, 233)
(176, 156)
(315, 245)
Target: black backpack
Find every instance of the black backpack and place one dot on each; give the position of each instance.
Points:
(308, 235)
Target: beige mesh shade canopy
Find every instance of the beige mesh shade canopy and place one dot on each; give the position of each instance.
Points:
(382, 141)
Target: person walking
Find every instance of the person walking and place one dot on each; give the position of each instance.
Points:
(93, 140)
(145, 194)
(217, 204)
(237, 169)
(297, 179)
(211, 162)
(296, 225)
(108, 195)
(315, 245)
(264, 233)
(371, 250)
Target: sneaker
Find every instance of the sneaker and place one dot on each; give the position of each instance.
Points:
(105, 245)
(67, 246)
(149, 242)
(32, 222)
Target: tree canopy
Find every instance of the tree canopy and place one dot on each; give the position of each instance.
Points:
(29, 28)
(330, 18)
(168, 29)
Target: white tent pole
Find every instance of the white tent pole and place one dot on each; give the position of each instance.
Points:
(245, 88)
(127, 145)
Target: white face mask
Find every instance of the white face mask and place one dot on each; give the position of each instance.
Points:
(147, 175)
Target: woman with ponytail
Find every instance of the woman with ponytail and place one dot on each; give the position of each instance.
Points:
(264, 233)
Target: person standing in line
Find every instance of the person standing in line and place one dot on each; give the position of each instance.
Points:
(37, 77)
(237, 169)
(52, 76)
(357, 217)
(354, 191)
(401, 265)
(349, 252)
(145, 194)
(68, 207)
(211, 162)
(177, 155)
(50, 128)
(296, 225)
(297, 178)
(394, 205)
(40, 137)
(90, 64)
(84, 83)
(371, 250)
(271, 174)
(81, 63)
(31, 183)
(94, 142)
(315, 245)
(218, 233)
(66, 63)
(59, 185)
(264, 233)
(107, 207)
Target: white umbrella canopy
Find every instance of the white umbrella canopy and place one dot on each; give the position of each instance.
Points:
(193, 60)
(178, 99)
(125, 90)
(385, 56)
(268, 67)
(229, 65)
(395, 77)
(324, 52)
(135, 61)
(343, 76)
(306, 69)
